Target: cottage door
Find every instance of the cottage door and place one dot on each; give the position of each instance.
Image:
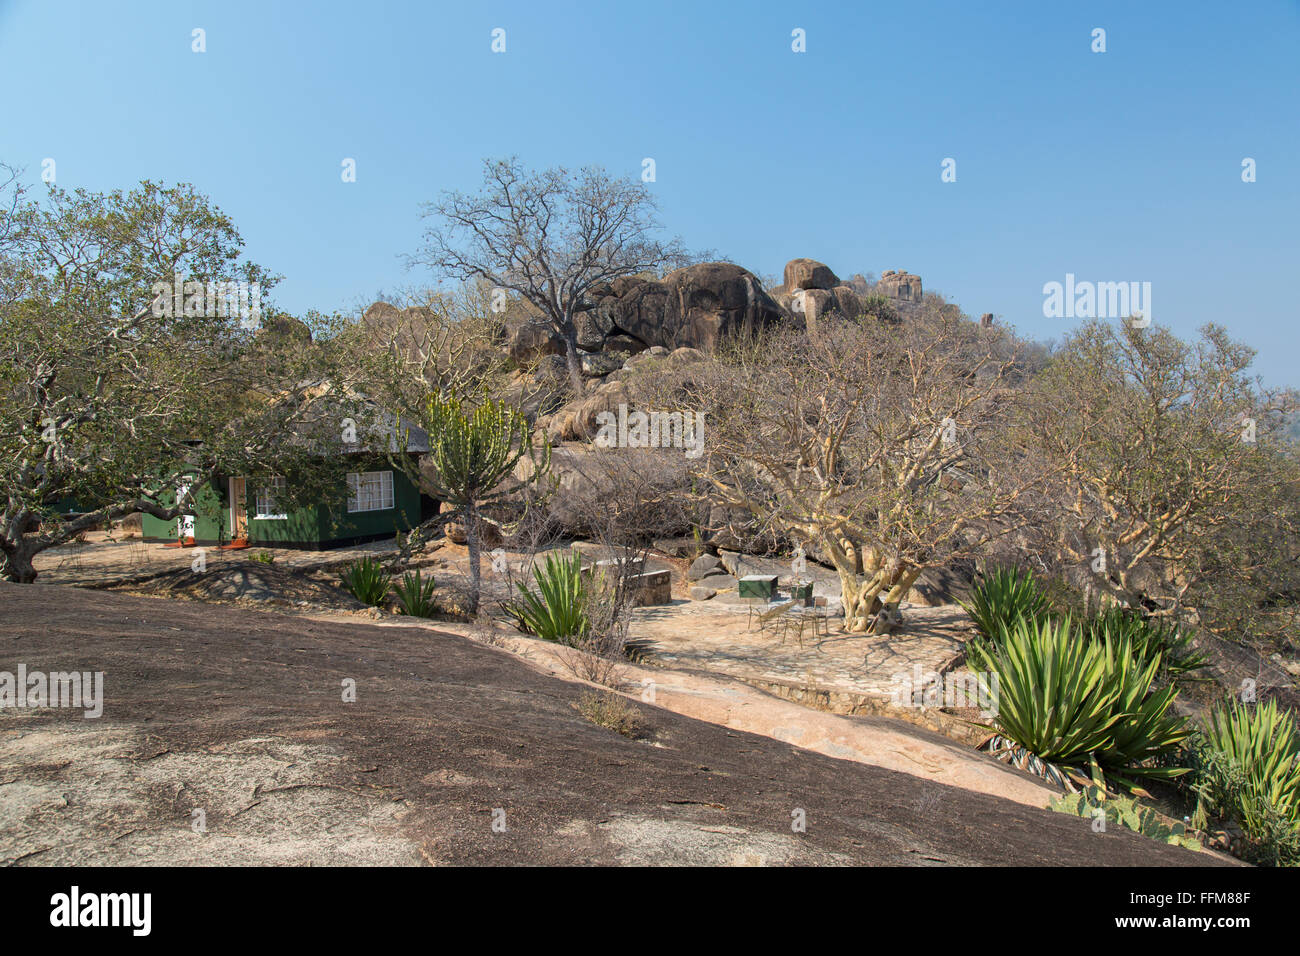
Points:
(238, 509)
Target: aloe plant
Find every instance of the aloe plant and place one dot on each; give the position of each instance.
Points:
(1149, 638)
(1249, 770)
(1051, 693)
(557, 610)
(367, 581)
(415, 594)
(1148, 732)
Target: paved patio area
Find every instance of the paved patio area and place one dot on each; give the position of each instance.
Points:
(727, 638)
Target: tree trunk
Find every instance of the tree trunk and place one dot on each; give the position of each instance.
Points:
(16, 565)
(865, 596)
(571, 360)
(17, 549)
(472, 542)
(575, 367)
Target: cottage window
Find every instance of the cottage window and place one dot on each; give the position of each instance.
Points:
(370, 491)
(267, 507)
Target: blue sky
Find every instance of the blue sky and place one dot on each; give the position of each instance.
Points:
(1115, 166)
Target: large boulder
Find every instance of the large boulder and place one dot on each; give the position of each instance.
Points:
(813, 305)
(848, 302)
(625, 344)
(532, 340)
(600, 364)
(692, 307)
(552, 370)
(702, 566)
(489, 532)
(809, 274)
(939, 586)
(859, 284)
(900, 285)
(577, 420)
(532, 400)
(592, 328)
(381, 315)
(815, 302)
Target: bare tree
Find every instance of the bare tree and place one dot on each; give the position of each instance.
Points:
(887, 448)
(1171, 467)
(549, 237)
(426, 342)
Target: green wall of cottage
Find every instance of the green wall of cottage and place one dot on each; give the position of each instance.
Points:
(209, 517)
(312, 526)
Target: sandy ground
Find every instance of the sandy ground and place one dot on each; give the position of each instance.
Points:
(105, 559)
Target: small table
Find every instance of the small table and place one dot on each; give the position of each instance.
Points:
(757, 586)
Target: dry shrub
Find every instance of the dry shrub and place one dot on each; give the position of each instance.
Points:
(611, 711)
(591, 659)
(629, 495)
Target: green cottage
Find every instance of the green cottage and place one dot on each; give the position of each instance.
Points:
(374, 501)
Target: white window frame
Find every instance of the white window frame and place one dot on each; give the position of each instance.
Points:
(370, 491)
(264, 501)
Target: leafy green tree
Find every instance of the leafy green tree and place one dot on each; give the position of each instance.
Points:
(114, 393)
(472, 456)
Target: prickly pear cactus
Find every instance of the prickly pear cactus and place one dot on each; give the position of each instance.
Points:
(1126, 812)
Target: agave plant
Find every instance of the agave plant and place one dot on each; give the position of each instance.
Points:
(1147, 733)
(367, 581)
(557, 611)
(1149, 638)
(1249, 760)
(1064, 703)
(415, 594)
(1051, 691)
(1003, 598)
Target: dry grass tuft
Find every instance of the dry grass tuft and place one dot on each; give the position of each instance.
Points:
(611, 711)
